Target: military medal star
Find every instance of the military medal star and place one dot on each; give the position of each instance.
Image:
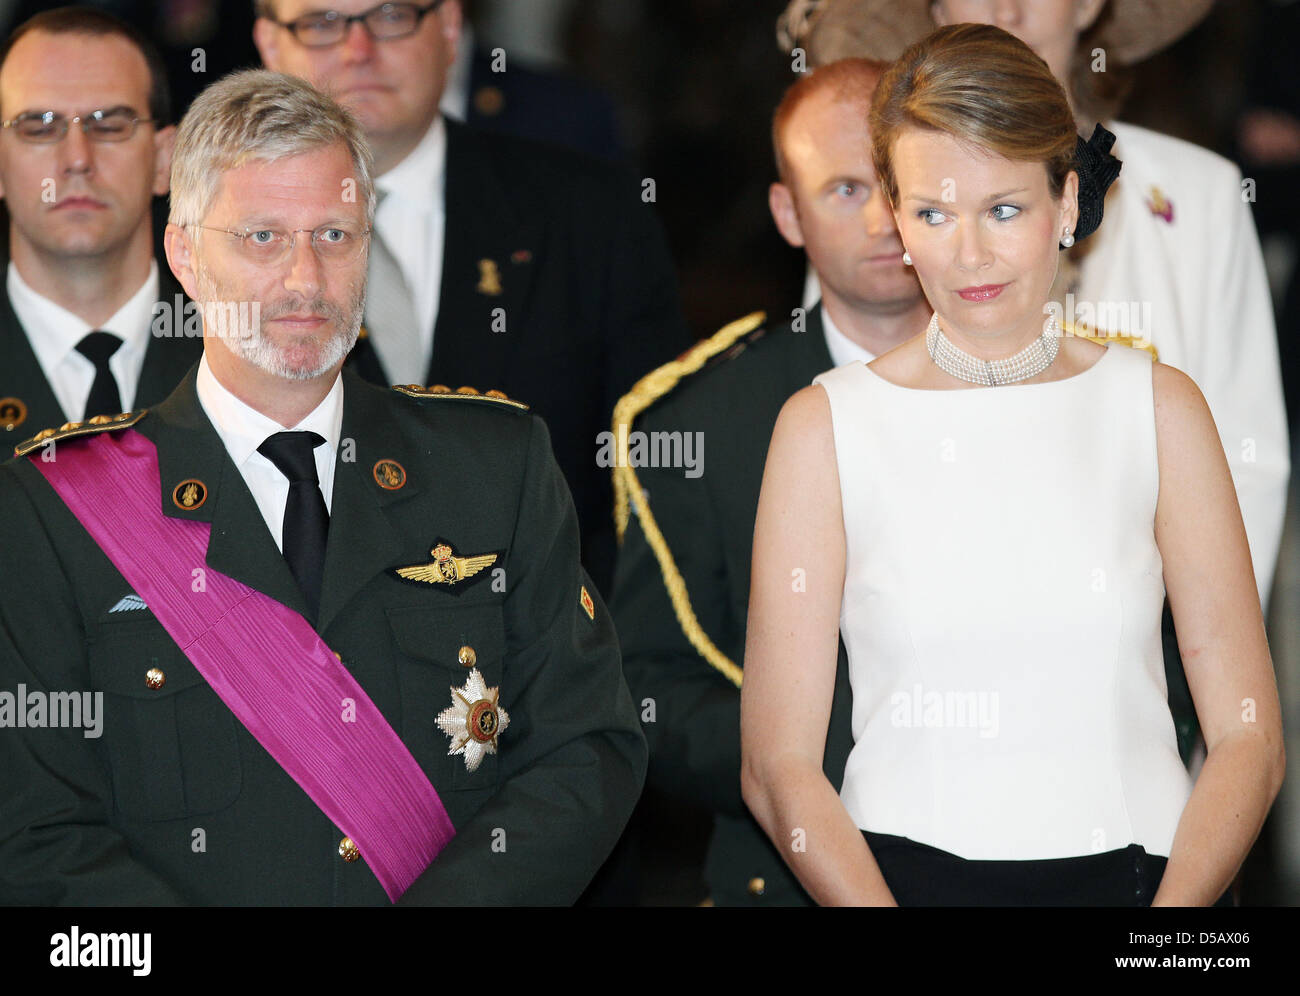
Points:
(474, 720)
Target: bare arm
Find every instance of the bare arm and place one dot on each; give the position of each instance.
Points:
(791, 647)
(1215, 604)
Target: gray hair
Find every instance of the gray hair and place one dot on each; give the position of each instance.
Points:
(258, 116)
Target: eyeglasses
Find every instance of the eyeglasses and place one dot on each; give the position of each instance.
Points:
(268, 247)
(45, 128)
(385, 22)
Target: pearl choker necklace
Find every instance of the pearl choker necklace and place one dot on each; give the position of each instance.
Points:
(1029, 362)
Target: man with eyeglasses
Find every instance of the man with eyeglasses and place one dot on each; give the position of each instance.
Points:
(345, 649)
(495, 261)
(88, 324)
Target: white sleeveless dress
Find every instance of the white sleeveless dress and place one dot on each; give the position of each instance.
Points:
(1002, 605)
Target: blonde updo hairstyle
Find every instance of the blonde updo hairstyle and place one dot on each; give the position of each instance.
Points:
(982, 86)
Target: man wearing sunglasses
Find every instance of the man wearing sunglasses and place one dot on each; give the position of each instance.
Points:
(495, 261)
(88, 325)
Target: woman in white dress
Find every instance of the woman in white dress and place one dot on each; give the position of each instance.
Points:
(1178, 261)
(992, 514)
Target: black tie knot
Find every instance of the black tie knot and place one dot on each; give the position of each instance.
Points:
(98, 347)
(291, 452)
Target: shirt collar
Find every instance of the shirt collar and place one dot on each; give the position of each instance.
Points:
(842, 349)
(54, 331)
(417, 180)
(243, 429)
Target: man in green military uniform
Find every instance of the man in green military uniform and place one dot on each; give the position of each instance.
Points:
(684, 677)
(416, 547)
(87, 321)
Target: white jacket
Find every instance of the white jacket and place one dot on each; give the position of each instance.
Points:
(1177, 260)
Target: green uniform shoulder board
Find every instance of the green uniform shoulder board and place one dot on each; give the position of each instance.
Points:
(72, 430)
(460, 394)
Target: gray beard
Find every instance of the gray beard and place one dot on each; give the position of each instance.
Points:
(248, 341)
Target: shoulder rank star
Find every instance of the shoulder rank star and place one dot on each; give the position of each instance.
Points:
(446, 568)
(474, 720)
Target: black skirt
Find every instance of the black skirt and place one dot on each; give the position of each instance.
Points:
(921, 875)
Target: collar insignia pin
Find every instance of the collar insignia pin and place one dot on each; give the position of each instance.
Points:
(389, 475)
(474, 720)
(588, 606)
(190, 494)
(13, 413)
(489, 278)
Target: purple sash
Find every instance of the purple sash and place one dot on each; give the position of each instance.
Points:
(262, 659)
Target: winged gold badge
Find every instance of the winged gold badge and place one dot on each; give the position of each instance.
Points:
(446, 567)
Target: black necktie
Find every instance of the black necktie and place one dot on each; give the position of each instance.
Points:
(104, 398)
(306, 520)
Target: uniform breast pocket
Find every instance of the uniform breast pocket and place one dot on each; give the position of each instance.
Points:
(438, 648)
(170, 740)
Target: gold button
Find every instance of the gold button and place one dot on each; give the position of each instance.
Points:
(154, 678)
(467, 657)
(69, 425)
(757, 886)
(348, 851)
(337, 655)
(100, 419)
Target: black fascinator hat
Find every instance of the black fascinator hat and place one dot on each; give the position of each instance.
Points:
(1097, 170)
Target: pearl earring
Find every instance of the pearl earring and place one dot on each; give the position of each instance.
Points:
(1067, 239)
(907, 258)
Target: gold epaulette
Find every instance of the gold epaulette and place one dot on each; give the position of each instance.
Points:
(654, 386)
(71, 430)
(461, 393)
(628, 491)
(1103, 338)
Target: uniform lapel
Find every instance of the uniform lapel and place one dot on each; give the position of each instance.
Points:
(189, 449)
(362, 540)
(21, 377)
(490, 253)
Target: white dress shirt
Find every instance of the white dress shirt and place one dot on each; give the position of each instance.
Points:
(843, 349)
(54, 333)
(412, 221)
(243, 429)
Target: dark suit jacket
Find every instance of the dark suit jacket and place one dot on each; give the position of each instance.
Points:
(542, 105)
(587, 293)
(111, 820)
(165, 362)
(708, 522)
